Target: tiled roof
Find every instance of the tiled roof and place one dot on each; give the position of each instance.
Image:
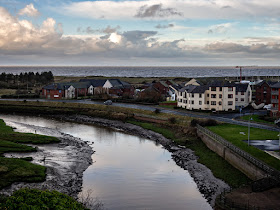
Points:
(95, 82)
(276, 85)
(241, 87)
(200, 89)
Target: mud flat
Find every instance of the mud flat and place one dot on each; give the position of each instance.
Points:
(207, 184)
(65, 161)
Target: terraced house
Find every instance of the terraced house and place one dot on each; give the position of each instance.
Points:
(215, 96)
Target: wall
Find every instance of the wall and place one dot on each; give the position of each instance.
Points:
(249, 169)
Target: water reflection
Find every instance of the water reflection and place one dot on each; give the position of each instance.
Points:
(129, 172)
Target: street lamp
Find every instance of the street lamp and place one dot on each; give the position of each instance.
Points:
(250, 118)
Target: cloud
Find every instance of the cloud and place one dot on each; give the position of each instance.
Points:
(170, 9)
(135, 36)
(221, 28)
(107, 30)
(29, 10)
(159, 26)
(156, 10)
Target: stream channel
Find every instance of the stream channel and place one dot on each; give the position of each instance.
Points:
(127, 172)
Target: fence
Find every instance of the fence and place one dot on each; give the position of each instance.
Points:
(275, 174)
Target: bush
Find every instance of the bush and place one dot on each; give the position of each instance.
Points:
(157, 111)
(207, 122)
(38, 199)
(172, 120)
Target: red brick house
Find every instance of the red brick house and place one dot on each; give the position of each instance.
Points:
(263, 92)
(53, 91)
(275, 100)
(162, 87)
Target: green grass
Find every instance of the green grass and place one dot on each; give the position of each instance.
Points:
(17, 170)
(232, 134)
(219, 167)
(255, 118)
(38, 199)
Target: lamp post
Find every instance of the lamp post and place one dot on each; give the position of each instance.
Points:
(250, 118)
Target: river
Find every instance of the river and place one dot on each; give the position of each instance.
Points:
(128, 172)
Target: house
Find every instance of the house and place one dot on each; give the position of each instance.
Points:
(275, 100)
(53, 91)
(216, 96)
(162, 87)
(150, 94)
(263, 92)
(174, 92)
(243, 95)
(118, 88)
(97, 86)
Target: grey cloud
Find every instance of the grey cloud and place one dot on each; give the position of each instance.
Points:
(262, 49)
(210, 31)
(156, 10)
(159, 26)
(135, 36)
(107, 30)
(226, 7)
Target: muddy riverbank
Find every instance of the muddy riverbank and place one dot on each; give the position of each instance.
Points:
(65, 161)
(207, 184)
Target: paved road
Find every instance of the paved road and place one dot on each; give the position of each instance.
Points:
(227, 118)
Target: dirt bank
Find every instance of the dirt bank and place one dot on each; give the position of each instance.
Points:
(208, 185)
(65, 161)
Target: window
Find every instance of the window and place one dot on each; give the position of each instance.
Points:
(180, 100)
(213, 102)
(213, 88)
(221, 88)
(200, 95)
(242, 93)
(230, 95)
(213, 95)
(264, 88)
(230, 103)
(192, 102)
(193, 95)
(207, 102)
(242, 99)
(220, 95)
(200, 102)
(220, 103)
(207, 95)
(230, 88)
(236, 99)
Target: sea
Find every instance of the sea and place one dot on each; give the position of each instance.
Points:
(147, 71)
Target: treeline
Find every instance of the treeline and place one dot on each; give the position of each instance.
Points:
(31, 79)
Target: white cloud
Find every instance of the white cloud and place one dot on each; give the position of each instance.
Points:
(175, 9)
(29, 10)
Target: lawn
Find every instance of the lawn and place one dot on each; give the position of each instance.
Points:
(232, 134)
(255, 118)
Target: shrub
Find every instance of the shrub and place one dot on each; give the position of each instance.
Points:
(172, 120)
(38, 199)
(207, 122)
(157, 111)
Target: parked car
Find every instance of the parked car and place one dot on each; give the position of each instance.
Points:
(108, 102)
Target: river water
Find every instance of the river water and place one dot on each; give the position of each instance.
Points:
(128, 172)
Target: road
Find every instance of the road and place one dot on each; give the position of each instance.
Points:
(227, 118)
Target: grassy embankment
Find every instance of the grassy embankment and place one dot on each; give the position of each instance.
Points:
(15, 169)
(255, 118)
(232, 134)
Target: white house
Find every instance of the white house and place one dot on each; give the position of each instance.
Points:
(243, 96)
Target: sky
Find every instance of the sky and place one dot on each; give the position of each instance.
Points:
(140, 32)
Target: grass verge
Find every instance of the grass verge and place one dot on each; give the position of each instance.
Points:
(232, 134)
(256, 118)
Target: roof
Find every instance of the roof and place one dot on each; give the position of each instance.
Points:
(188, 88)
(220, 84)
(95, 82)
(276, 85)
(176, 87)
(270, 83)
(241, 87)
(200, 89)
(54, 86)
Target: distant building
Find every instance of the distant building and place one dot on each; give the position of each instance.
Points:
(263, 92)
